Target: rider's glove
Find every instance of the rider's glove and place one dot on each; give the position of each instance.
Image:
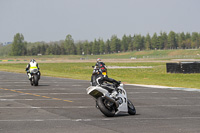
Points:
(117, 84)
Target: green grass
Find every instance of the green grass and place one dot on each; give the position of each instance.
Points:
(149, 76)
(147, 54)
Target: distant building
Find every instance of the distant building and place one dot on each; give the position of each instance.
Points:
(6, 43)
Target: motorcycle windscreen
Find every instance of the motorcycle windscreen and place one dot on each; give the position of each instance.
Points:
(33, 70)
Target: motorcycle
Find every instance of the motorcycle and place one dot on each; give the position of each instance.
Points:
(111, 104)
(35, 76)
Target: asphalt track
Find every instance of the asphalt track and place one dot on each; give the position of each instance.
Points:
(61, 105)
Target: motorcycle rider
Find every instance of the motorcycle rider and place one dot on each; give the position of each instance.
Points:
(98, 65)
(32, 65)
(101, 77)
(102, 80)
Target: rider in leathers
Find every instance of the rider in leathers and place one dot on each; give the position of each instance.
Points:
(32, 65)
(102, 77)
(99, 63)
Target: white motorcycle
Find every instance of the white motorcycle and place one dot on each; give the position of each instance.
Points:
(35, 77)
(111, 103)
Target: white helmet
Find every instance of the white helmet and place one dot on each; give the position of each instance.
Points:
(99, 59)
(32, 60)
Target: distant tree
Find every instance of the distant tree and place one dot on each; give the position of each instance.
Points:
(187, 43)
(86, 47)
(90, 47)
(79, 48)
(124, 43)
(161, 40)
(154, 41)
(180, 40)
(195, 40)
(107, 47)
(115, 44)
(43, 49)
(148, 42)
(49, 50)
(130, 44)
(101, 46)
(69, 45)
(165, 40)
(19, 46)
(187, 36)
(56, 50)
(130, 40)
(62, 49)
(95, 47)
(138, 42)
(33, 50)
(172, 42)
(39, 49)
(24, 48)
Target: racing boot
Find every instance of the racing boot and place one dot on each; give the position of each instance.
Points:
(29, 76)
(97, 105)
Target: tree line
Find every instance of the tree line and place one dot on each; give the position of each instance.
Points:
(136, 42)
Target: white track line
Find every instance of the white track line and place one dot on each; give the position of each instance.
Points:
(100, 119)
(86, 107)
(39, 89)
(32, 107)
(74, 99)
(166, 87)
(60, 93)
(45, 99)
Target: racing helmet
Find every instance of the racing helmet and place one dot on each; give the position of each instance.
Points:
(32, 60)
(99, 59)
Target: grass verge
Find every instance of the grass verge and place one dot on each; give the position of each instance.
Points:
(149, 76)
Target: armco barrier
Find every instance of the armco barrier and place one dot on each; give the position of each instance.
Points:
(183, 67)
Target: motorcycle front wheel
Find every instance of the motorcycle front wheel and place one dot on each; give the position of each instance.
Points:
(104, 108)
(35, 80)
(131, 108)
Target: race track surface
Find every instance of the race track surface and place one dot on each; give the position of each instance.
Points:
(61, 105)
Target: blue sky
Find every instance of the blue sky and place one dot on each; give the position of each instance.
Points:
(53, 20)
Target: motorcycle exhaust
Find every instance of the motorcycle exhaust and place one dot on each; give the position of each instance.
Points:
(112, 100)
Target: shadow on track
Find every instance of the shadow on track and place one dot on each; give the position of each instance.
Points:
(121, 115)
(43, 85)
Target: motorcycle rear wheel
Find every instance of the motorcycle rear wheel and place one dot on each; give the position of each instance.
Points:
(109, 112)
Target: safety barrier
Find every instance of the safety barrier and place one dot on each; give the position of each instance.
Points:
(183, 67)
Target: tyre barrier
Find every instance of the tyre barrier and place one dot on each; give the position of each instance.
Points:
(183, 67)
